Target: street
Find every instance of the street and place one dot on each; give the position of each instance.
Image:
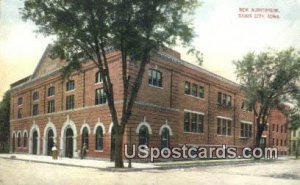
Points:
(15, 172)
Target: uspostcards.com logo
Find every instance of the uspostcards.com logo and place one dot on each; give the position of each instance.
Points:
(188, 152)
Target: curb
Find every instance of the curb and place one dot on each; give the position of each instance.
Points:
(185, 165)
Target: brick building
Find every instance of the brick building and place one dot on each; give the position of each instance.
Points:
(178, 103)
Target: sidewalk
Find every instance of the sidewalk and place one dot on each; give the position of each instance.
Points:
(85, 163)
(109, 166)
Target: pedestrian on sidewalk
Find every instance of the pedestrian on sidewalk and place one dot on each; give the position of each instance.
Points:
(83, 151)
(54, 152)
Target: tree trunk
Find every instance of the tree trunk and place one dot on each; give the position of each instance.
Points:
(259, 133)
(119, 150)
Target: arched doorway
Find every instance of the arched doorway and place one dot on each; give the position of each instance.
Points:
(165, 138)
(69, 143)
(50, 141)
(13, 143)
(143, 135)
(34, 142)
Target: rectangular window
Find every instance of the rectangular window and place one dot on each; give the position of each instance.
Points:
(228, 101)
(51, 106)
(277, 128)
(273, 141)
(35, 96)
(219, 98)
(155, 78)
(194, 90)
(70, 102)
(98, 77)
(186, 122)
(224, 121)
(194, 122)
(229, 127)
(51, 91)
(201, 91)
(225, 100)
(20, 113)
(35, 109)
(224, 127)
(70, 85)
(200, 123)
(100, 96)
(219, 127)
(187, 88)
(246, 130)
(20, 101)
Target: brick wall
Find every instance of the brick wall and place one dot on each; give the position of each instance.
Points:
(155, 106)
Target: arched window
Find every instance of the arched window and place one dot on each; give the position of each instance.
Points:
(99, 138)
(85, 137)
(19, 139)
(25, 140)
(143, 135)
(165, 138)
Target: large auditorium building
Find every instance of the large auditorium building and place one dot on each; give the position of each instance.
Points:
(178, 103)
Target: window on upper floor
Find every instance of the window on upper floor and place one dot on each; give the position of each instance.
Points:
(35, 109)
(98, 77)
(224, 127)
(100, 96)
(201, 91)
(51, 91)
(187, 88)
(35, 96)
(70, 102)
(246, 130)
(51, 106)
(195, 90)
(70, 85)
(20, 113)
(155, 78)
(20, 101)
(246, 107)
(224, 99)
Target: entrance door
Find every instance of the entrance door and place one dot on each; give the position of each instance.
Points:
(34, 142)
(50, 142)
(69, 143)
(13, 143)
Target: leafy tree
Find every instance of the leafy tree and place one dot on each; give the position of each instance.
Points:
(4, 122)
(84, 30)
(295, 119)
(269, 79)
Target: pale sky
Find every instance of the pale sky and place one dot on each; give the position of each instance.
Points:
(222, 36)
